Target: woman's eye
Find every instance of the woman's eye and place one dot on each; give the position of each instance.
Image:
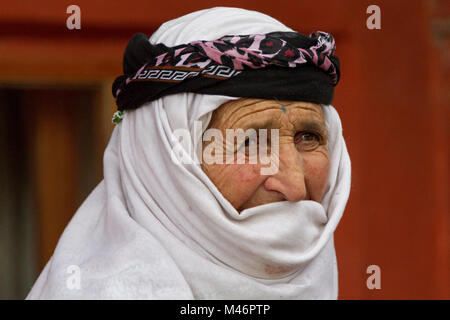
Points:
(246, 145)
(307, 140)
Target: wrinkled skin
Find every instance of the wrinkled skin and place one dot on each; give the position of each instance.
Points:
(303, 155)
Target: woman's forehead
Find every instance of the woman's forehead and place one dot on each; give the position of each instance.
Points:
(244, 111)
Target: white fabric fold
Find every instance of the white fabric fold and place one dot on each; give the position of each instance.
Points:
(158, 229)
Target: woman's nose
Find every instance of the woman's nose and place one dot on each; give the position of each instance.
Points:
(290, 179)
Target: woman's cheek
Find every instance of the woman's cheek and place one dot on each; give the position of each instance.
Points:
(318, 167)
(243, 180)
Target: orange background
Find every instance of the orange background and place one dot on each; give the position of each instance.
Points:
(393, 100)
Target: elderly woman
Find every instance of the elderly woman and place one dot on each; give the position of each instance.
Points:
(161, 227)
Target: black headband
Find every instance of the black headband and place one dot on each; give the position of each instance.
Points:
(277, 65)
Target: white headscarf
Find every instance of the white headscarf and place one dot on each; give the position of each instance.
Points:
(155, 229)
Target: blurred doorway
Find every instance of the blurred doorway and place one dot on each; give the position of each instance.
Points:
(51, 160)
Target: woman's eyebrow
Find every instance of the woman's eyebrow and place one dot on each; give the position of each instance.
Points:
(244, 121)
(259, 124)
(303, 124)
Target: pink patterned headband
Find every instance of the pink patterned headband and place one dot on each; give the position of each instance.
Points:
(282, 65)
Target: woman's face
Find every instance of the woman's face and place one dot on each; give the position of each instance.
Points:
(303, 163)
